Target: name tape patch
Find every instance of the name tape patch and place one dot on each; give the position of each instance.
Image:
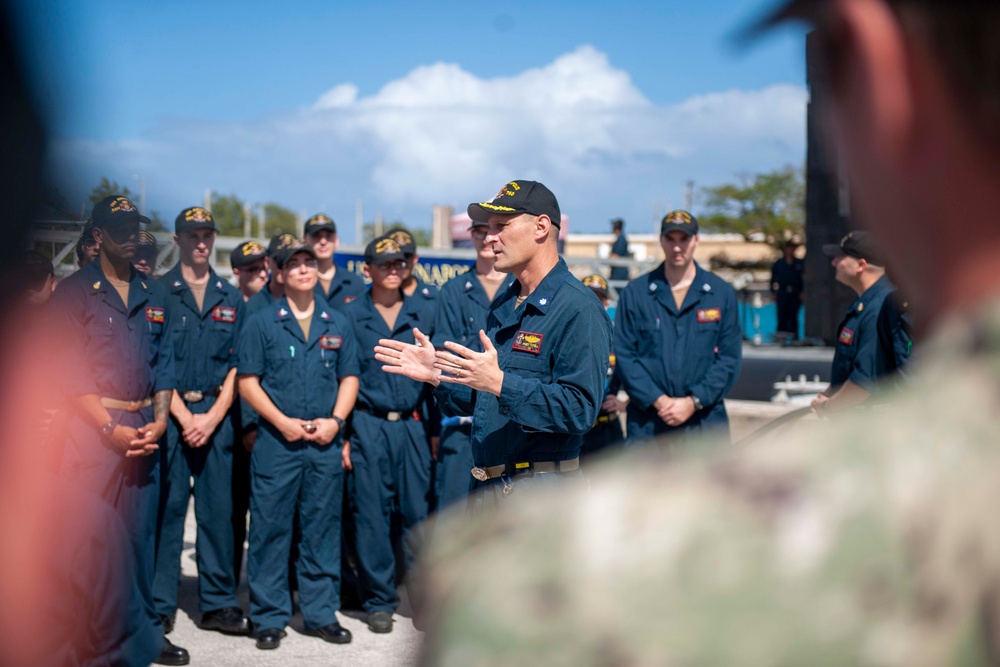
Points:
(224, 314)
(846, 336)
(525, 341)
(710, 315)
(155, 315)
(330, 342)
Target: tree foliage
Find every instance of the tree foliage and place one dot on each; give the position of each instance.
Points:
(108, 187)
(772, 204)
(228, 211)
(421, 237)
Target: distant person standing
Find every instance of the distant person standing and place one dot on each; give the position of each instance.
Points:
(197, 458)
(412, 284)
(299, 371)
(607, 430)
(336, 286)
(619, 249)
(87, 247)
(855, 360)
(787, 287)
(249, 263)
(678, 343)
(146, 252)
(465, 303)
(273, 289)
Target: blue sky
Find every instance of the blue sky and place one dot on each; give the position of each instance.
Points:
(316, 104)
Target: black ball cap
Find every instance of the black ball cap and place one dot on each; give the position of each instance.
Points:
(404, 238)
(519, 197)
(193, 218)
(287, 253)
(246, 253)
(680, 221)
(383, 250)
(858, 245)
(116, 211)
(279, 242)
(318, 223)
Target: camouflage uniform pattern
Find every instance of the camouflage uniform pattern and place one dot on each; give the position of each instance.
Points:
(869, 540)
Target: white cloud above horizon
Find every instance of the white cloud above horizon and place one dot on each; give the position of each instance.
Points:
(441, 135)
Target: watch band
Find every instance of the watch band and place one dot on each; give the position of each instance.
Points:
(697, 403)
(340, 422)
(108, 429)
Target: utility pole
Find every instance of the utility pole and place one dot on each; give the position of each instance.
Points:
(247, 219)
(359, 222)
(260, 222)
(208, 200)
(688, 195)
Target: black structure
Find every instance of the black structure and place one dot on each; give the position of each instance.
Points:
(827, 216)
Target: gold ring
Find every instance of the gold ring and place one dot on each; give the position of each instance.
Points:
(458, 373)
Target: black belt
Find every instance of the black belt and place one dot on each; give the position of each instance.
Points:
(390, 415)
(196, 395)
(606, 417)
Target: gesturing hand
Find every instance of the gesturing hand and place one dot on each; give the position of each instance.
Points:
(478, 370)
(413, 361)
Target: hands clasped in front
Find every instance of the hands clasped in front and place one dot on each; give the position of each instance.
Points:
(457, 364)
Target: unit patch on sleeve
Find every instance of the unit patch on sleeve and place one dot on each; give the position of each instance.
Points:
(155, 315)
(846, 336)
(525, 341)
(330, 342)
(710, 315)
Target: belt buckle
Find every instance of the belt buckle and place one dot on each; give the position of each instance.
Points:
(133, 406)
(192, 396)
(393, 416)
(480, 474)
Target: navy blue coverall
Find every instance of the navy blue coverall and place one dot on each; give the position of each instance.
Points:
(390, 453)
(692, 350)
(118, 351)
(344, 288)
(553, 351)
(856, 356)
(302, 379)
(204, 344)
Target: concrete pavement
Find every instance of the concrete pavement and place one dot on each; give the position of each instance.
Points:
(397, 649)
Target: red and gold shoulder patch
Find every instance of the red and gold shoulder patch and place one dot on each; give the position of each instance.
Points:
(525, 341)
(349, 299)
(330, 342)
(224, 314)
(156, 315)
(710, 315)
(846, 336)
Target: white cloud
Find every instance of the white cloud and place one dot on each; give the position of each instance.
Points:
(442, 135)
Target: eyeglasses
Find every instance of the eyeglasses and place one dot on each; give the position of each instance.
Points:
(479, 233)
(398, 265)
(309, 264)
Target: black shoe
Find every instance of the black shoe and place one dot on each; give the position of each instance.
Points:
(230, 621)
(269, 638)
(172, 655)
(167, 620)
(334, 633)
(380, 622)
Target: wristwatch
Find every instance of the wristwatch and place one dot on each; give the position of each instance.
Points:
(108, 429)
(697, 403)
(340, 423)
